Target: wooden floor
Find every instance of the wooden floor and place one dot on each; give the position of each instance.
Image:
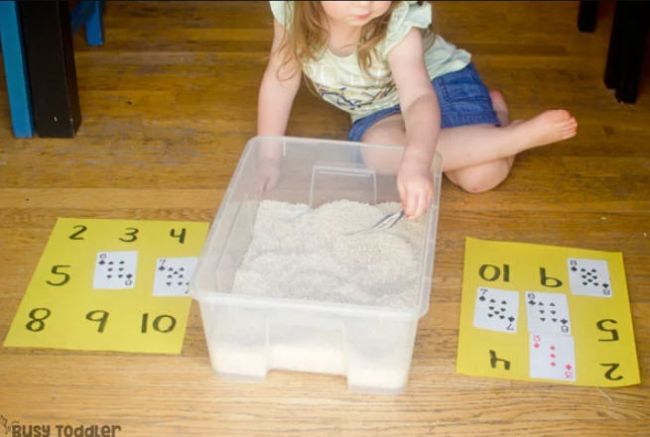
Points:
(168, 103)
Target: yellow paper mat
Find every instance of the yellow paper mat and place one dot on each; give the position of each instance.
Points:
(546, 313)
(114, 285)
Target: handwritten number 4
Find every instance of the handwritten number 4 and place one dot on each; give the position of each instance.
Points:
(180, 235)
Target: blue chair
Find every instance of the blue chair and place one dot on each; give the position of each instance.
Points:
(13, 58)
(86, 13)
(89, 13)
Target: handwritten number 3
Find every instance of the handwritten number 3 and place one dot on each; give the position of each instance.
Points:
(132, 233)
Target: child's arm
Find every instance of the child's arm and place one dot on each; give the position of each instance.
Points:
(421, 113)
(278, 89)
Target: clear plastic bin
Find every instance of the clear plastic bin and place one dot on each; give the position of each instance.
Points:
(249, 335)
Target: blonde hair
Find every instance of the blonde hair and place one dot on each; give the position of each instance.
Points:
(306, 35)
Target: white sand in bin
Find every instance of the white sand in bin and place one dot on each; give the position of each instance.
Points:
(302, 253)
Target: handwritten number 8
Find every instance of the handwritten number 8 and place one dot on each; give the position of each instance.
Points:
(37, 324)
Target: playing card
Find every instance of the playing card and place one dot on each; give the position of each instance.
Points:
(173, 276)
(548, 313)
(552, 357)
(115, 270)
(589, 277)
(496, 310)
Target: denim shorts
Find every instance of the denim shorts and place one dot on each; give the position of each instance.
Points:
(463, 100)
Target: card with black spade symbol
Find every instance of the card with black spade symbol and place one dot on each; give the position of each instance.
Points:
(173, 276)
(548, 313)
(589, 277)
(496, 310)
(115, 270)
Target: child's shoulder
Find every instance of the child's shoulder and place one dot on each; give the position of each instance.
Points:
(405, 16)
(282, 10)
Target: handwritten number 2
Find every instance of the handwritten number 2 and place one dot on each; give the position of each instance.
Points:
(76, 235)
(609, 374)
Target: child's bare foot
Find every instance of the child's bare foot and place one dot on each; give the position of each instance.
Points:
(503, 115)
(546, 128)
(500, 107)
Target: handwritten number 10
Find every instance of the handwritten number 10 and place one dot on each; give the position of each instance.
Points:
(158, 322)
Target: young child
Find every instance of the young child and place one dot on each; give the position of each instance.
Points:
(381, 62)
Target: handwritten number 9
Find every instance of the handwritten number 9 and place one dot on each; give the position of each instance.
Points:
(56, 270)
(100, 316)
(132, 234)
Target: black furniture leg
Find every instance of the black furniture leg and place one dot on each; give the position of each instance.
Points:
(51, 67)
(627, 49)
(588, 15)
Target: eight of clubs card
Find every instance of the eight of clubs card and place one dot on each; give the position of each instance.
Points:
(589, 277)
(115, 270)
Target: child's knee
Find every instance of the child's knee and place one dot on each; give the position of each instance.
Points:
(390, 130)
(483, 178)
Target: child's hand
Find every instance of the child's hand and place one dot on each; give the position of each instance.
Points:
(268, 174)
(415, 186)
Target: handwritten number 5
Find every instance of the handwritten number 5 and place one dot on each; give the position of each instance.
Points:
(56, 270)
